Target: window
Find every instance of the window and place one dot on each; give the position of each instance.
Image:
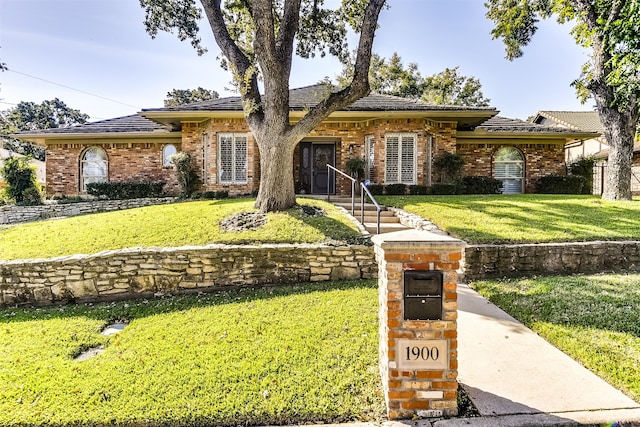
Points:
(168, 151)
(400, 165)
(93, 167)
(509, 168)
(369, 157)
(232, 158)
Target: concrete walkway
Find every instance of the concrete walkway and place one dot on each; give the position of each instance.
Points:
(513, 375)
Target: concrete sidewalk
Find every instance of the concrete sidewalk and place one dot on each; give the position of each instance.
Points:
(516, 378)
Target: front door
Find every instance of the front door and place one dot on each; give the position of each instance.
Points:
(322, 178)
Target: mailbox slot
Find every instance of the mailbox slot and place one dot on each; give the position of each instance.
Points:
(422, 295)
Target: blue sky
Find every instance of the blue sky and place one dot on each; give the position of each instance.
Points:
(100, 49)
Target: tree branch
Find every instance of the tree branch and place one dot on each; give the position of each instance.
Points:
(359, 86)
(243, 67)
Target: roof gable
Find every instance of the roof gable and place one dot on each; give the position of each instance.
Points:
(578, 120)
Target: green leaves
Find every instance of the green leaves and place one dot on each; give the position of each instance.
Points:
(169, 15)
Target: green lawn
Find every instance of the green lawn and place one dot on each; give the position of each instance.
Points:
(595, 319)
(301, 354)
(179, 224)
(526, 218)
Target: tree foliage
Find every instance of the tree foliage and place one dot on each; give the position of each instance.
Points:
(29, 116)
(258, 39)
(610, 29)
(22, 181)
(186, 96)
(391, 77)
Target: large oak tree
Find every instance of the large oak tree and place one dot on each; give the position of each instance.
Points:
(258, 39)
(611, 30)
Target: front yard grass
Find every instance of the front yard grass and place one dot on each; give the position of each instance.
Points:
(526, 217)
(281, 355)
(594, 319)
(178, 224)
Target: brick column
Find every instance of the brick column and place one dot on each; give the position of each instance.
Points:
(418, 358)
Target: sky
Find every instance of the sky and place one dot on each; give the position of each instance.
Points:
(96, 56)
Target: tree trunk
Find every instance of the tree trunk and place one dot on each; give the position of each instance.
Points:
(276, 176)
(619, 131)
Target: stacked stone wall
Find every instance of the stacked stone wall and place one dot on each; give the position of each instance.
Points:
(13, 214)
(138, 272)
(497, 261)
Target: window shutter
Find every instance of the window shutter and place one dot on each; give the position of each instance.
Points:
(408, 160)
(369, 157)
(226, 158)
(240, 162)
(392, 159)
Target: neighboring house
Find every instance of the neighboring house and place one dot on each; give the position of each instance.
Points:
(399, 138)
(40, 166)
(588, 121)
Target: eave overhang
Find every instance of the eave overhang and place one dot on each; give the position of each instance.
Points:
(49, 138)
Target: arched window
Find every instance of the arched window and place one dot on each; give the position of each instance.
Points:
(168, 151)
(93, 167)
(508, 167)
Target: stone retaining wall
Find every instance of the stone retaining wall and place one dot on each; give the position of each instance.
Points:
(141, 272)
(15, 214)
(497, 261)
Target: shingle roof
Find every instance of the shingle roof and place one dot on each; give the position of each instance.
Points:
(504, 124)
(578, 120)
(134, 123)
(301, 99)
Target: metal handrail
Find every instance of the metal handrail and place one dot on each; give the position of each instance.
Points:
(353, 186)
(378, 207)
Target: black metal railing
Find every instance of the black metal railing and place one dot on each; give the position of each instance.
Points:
(365, 191)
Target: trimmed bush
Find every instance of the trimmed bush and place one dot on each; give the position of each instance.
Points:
(185, 173)
(481, 185)
(395, 189)
(376, 189)
(445, 189)
(418, 190)
(125, 189)
(583, 166)
(561, 184)
(211, 195)
(450, 164)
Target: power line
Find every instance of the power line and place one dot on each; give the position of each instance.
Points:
(71, 88)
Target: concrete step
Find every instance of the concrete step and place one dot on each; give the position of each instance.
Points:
(383, 219)
(371, 227)
(367, 206)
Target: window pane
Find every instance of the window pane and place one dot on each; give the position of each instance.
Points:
(168, 151)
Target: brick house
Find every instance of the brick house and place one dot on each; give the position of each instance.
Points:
(399, 139)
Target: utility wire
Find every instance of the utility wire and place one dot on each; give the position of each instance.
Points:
(71, 88)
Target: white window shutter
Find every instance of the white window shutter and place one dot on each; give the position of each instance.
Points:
(392, 159)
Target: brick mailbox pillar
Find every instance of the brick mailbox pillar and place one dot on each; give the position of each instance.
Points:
(418, 328)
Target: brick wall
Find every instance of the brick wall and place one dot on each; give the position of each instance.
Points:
(127, 161)
(540, 159)
(131, 273)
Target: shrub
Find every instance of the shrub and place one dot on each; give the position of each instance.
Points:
(561, 184)
(583, 166)
(376, 189)
(481, 185)
(450, 165)
(395, 189)
(186, 173)
(445, 189)
(418, 190)
(211, 195)
(125, 189)
(355, 166)
(22, 182)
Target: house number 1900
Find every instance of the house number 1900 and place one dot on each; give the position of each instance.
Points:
(422, 354)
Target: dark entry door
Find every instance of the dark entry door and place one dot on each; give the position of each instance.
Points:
(323, 154)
